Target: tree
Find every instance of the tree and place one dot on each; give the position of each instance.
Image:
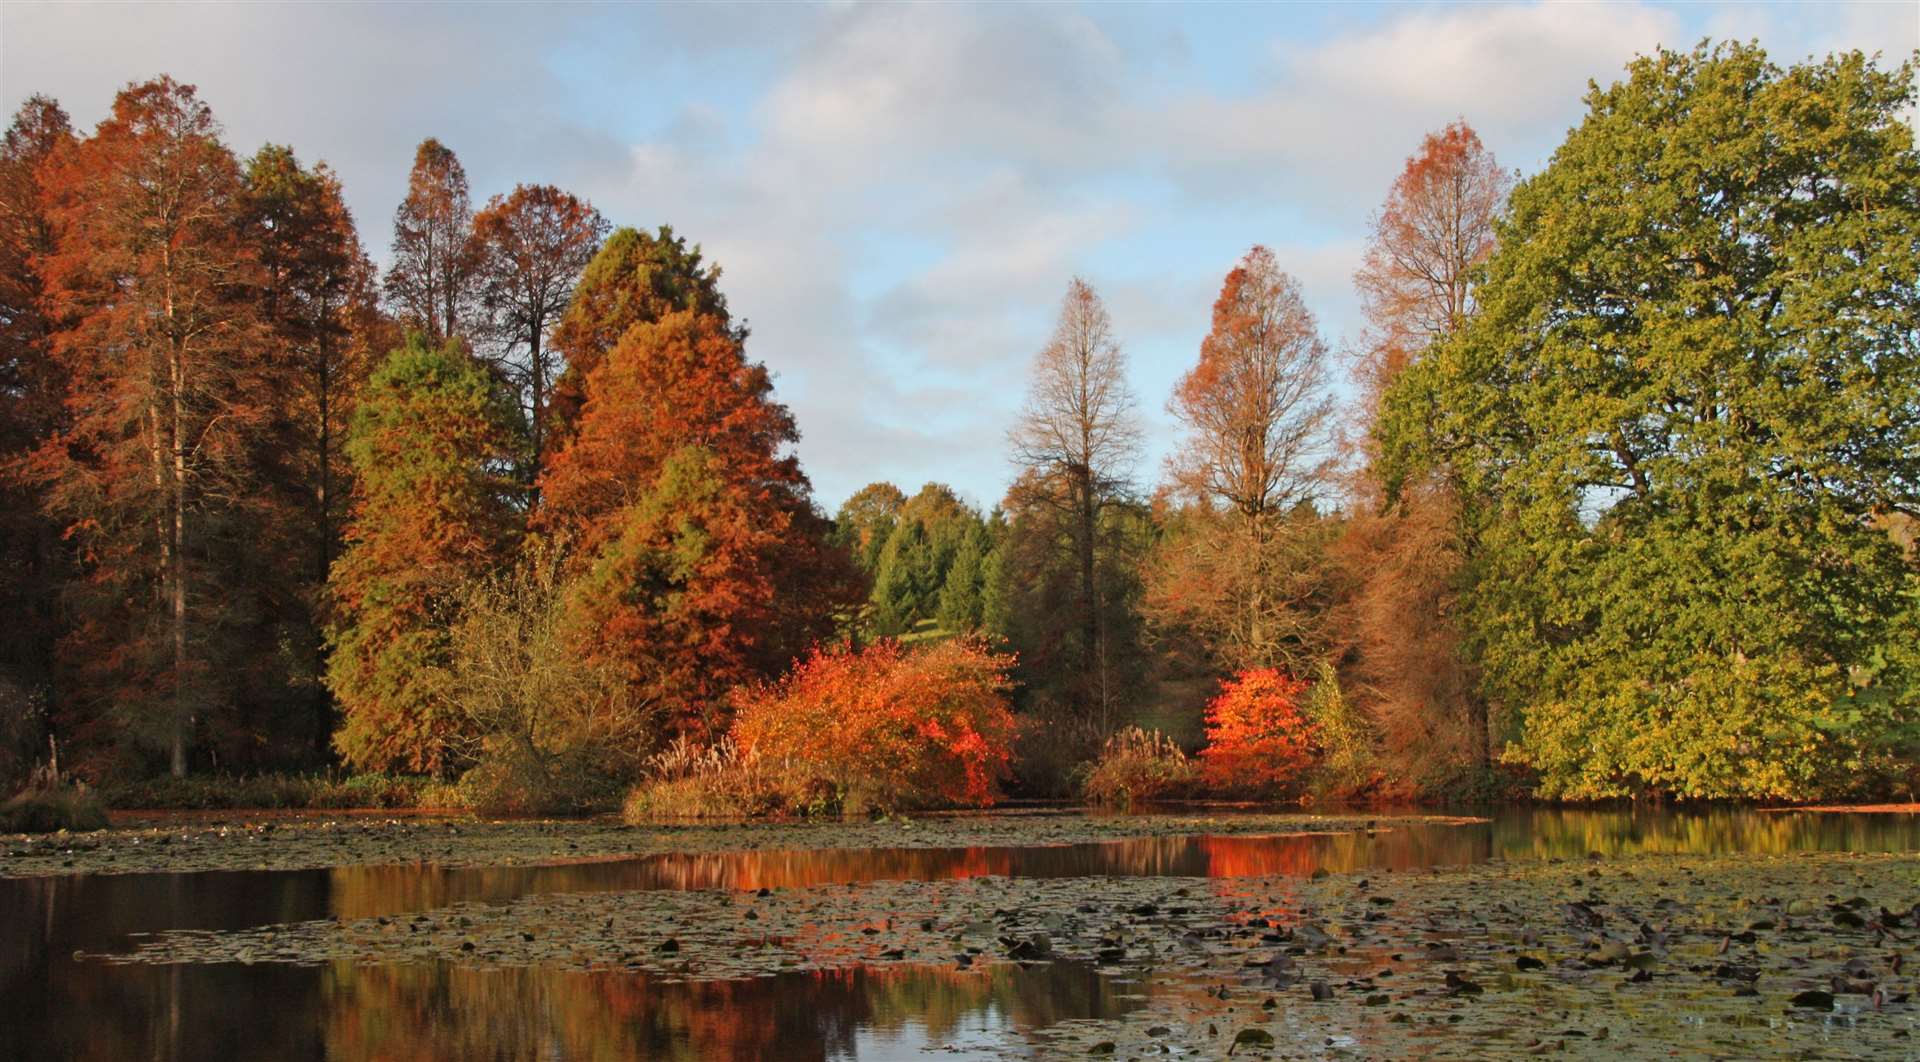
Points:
(317, 296)
(1416, 282)
(1255, 407)
(162, 345)
(531, 248)
(703, 560)
(1689, 401)
(962, 593)
(1257, 417)
(636, 278)
(865, 522)
(429, 521)
(32, 393)
(432, 279)
(1401, 556)
(1079, 427)
(1258, 738)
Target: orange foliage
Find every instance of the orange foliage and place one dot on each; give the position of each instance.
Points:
(886, 726)
(1257, 737)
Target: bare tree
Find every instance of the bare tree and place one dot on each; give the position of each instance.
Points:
(431, 279)
(1080, 430)
(530, 249)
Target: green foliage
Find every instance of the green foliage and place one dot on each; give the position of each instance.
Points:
(1691, 394)
(429, 521)
(962, 597)
(1346, 763)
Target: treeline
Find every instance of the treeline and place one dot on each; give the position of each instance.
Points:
(1625, 505)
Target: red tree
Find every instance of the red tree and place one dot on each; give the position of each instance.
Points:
(170, 384)
(1257, 737)
(703, 561)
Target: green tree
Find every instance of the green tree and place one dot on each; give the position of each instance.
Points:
(1680, 424)
(962, 595)
(429, 521)
(865, 522)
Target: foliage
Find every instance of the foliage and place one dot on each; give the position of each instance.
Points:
(1343, 741)
(1139, 766)
(865, 522)
(923, 539)
(883, 727)
(1693, 385)
(1258, 739)
(635, 278)
(429, 521)
(547, 729)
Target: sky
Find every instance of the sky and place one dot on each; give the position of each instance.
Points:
(898, 194)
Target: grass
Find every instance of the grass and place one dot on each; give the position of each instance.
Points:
(206, 792)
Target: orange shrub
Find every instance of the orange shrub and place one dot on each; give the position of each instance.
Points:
(1258, 740)
(884, 727)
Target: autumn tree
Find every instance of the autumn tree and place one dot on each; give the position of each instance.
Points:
(531, 248)
(703, 563)
(636, 278)
(431, 281)
(316, 295)
(168, 390)
(1079, 430)
(32, 394)
(429, 522)
(1677, 424)
(1257, 415)
(1259, 738)
(1400, 557)
(1416, 283)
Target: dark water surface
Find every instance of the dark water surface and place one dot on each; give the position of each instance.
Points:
(53, 1005)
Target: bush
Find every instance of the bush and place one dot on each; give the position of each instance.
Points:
(686, 781)
(1342, 739)
(203, 792)
(1258, 742)
(1137, 766)
(884, 728)
(546, 729)
(46, 809)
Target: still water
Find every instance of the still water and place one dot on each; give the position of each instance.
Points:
(54, 1005)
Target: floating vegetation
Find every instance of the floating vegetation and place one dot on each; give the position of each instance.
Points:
(1648, 956)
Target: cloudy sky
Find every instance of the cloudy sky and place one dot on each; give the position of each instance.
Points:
(898, 194)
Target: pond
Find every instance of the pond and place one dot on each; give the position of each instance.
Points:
(342, 962)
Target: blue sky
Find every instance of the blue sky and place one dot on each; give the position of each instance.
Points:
(898, 194)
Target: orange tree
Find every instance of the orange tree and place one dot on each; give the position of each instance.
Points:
(885, 727)
(1258, 740)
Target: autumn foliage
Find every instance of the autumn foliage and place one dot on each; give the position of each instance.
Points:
(886, 727)
(1258, 738)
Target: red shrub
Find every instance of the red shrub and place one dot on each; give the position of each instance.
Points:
(885, 727)
(1257, 738)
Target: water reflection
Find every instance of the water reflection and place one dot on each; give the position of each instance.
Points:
(53, 1006)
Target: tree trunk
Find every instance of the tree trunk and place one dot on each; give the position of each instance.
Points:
(177, 574)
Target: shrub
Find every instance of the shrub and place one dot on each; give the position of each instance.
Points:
(1258, 742)
(1341, 738)
(687, 781)
(884, 728)
(40, 809)
(1139, 765)
(545, 728)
